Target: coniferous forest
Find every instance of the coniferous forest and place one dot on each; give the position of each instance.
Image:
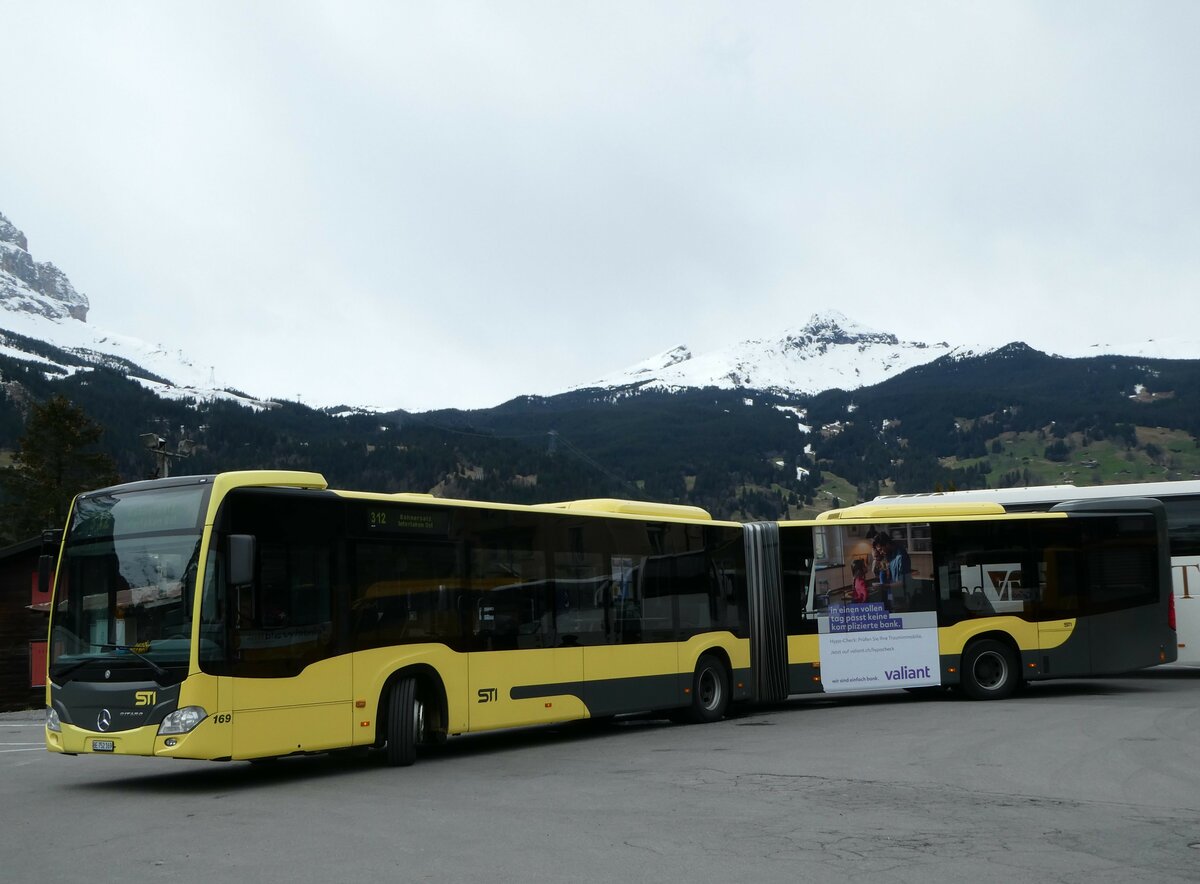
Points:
(1014, 416)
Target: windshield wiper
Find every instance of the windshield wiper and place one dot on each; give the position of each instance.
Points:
(158, 670)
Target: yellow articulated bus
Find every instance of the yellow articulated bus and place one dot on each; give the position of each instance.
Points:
(1182, 502)
(253, 615)
(964, 596)
(260, 614)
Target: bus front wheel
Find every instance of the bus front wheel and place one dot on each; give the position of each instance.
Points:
(404, 723)
(990, 670)
(710, 691)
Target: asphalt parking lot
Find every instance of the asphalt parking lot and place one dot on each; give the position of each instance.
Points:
(1075, 781)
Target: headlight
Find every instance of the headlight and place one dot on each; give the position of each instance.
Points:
(52, 722)
(182, 721)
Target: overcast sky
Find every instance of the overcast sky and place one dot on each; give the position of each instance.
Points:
(449, 204)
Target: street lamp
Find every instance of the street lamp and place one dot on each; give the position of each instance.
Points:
(158, 445)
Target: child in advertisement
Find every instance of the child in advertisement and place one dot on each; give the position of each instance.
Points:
(858, 593)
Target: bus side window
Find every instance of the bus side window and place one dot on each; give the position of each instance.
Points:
(952, 607)
(285, 619)
(797, 559)
(698, 593)
(1060, 583)
(406, 592)
(583, 590)
(213, 605)
(1121, 574)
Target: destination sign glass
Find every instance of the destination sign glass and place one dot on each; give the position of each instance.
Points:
(405, 520)
(139, 512)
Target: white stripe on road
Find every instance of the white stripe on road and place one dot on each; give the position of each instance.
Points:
(39, 749)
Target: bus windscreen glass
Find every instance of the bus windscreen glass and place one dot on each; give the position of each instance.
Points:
(124, 594)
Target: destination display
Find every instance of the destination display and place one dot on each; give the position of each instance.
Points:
(405, 520)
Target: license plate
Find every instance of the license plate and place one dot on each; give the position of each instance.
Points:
(103, 745)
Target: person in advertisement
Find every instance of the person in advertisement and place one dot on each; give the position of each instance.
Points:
(893, 570)
(859, 592)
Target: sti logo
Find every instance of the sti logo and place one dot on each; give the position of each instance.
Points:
(144, 698)
(487, 695)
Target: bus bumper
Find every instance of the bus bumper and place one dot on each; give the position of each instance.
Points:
(72, 740)
(205, 742)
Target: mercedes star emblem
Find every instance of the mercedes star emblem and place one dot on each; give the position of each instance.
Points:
(103, 720)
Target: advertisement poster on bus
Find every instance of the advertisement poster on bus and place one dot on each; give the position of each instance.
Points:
(873, 592)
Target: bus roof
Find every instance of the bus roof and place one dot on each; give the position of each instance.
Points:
(1044, 493)
(643, 508)
(223, 482)
(911, 510)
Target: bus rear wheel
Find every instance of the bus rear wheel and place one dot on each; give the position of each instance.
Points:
(404, 724)
(710, 691)
(990, 670)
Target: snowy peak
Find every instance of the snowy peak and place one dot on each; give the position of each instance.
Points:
(832, 328)
(661, 362)
(11, 235)
(829, 351)
(37, 288)
(39, 304)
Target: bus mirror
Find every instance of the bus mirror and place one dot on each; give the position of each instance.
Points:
(51, 538)
(45, 573)
(241, 559)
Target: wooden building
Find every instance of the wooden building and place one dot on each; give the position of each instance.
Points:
(24, 613)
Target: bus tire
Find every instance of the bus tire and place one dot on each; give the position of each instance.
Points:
(404, 723)
(710, 691)
(990, 670)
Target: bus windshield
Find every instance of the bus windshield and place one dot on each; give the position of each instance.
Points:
(123, 601)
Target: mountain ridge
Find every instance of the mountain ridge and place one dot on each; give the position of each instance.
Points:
(831, 351)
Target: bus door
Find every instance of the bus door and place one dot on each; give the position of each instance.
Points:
(520, 672)
(409, 595)
(634, 665)
(291, 690)
(1064, 636)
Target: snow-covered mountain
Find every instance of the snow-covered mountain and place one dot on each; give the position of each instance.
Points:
(37, 301)
(1154, 348)
(832, 351)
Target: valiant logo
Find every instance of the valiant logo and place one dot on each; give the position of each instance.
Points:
(103, 720)
(907, 672)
